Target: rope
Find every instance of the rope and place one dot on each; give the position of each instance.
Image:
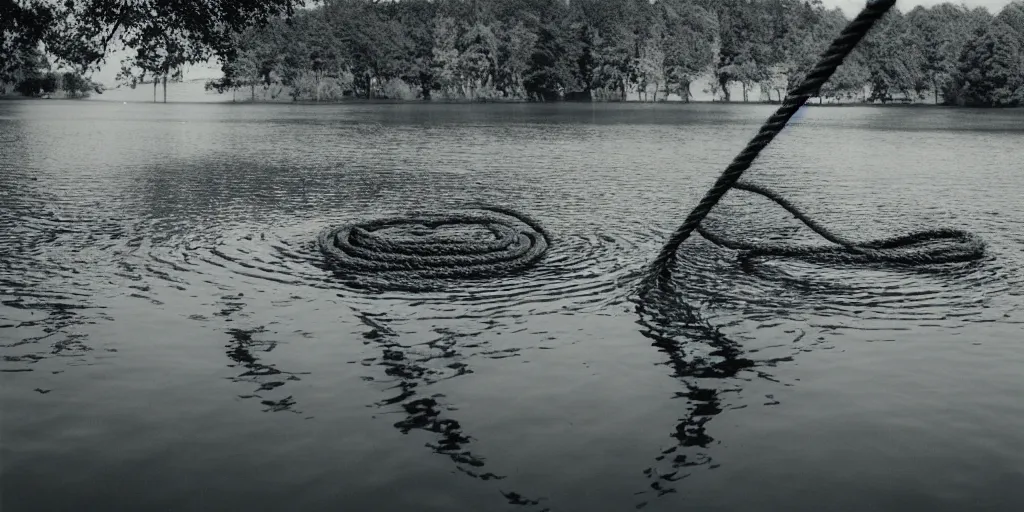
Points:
(877, 250)
(412, 247)
(419, 251)
(921, 248)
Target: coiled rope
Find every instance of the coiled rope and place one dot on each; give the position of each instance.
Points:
(482, 242)
(915, 248)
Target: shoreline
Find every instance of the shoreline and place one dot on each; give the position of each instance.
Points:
(384, 101)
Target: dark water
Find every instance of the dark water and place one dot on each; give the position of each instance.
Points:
(170, 341)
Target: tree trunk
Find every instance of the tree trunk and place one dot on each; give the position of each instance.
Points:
(425, 87)
(155, 81)
(252, 89)
(724, 83)
(165, 88)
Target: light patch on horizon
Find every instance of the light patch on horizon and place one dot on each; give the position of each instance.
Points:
(852, 7)
(107, 74)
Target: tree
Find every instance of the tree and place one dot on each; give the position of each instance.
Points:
(159, 57)
(943, 31)
(849, 80)
(26, 65)
(746, 43)
(992, 68)
(650, 64)
(162, 36)
(255, 64)
(417, 16)
(553, 61)
(690, 43)
(1013, 16)
(23, 25)
(478, 62)
(445, 62)
(515, 46)
(619, 29)
(812, 30)
(894, 58)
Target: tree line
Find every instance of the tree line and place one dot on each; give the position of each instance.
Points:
(539, 50)
(545, 50)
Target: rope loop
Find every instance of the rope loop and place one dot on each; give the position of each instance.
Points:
(915, 248)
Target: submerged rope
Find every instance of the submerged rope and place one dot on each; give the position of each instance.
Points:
(895, 249)
(411, 247)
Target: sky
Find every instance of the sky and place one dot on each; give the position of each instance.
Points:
(106, 75)
(852, 7)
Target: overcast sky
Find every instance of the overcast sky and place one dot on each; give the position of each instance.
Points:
(852, 7)
(107, 74)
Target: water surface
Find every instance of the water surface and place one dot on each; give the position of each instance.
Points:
(170, 339)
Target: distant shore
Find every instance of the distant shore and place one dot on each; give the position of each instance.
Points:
(492, 101)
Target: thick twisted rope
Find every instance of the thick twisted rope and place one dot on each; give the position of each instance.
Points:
(877, 250)
(920, 248)
(412, 247)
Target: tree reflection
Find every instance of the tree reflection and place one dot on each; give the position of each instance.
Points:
(412, 369)
(244, 350)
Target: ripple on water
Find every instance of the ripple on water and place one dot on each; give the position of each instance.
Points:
(204, 224)
(958, 292)
(51, 265)
(578, 273)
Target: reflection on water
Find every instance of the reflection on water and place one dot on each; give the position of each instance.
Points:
(707, 373)
(410, 371)
(244, 352)
(177, 244)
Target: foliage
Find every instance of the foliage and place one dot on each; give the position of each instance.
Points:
(992, 68)
(942, 32)
(1013, 16)
(894, 58)
(34, 76)
(526, 49)
(160, 36)
(22, 27)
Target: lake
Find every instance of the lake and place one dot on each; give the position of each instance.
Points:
(172, 341)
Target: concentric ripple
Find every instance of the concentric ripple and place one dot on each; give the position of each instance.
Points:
(579, 271)
(412, 250)
(189, 257)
